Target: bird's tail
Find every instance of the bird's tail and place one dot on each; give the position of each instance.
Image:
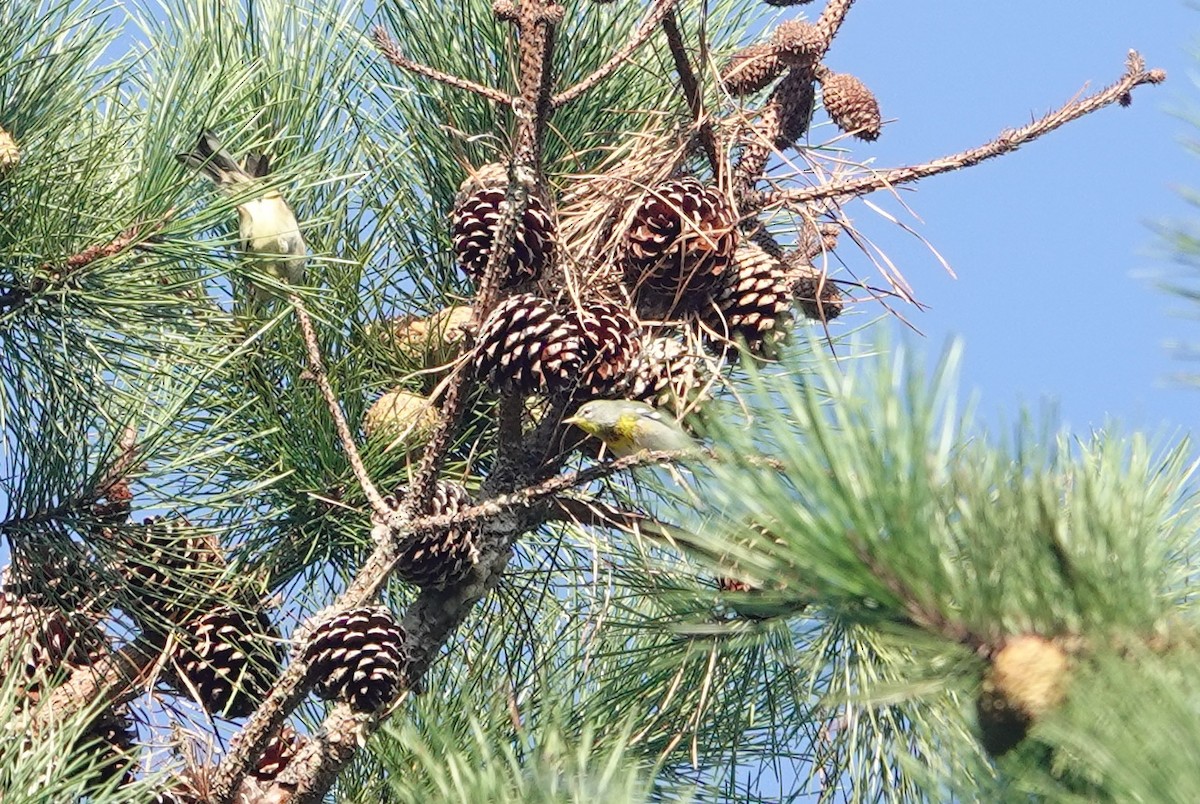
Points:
(208, 157)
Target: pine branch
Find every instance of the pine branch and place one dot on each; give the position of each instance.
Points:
(691, 91)
(116, 679)
(658, 11)
(52, 275)
(391, 52)
(1119, 92)
(434, 615)
(316, 368)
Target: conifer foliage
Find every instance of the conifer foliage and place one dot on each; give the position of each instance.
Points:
(508, 209)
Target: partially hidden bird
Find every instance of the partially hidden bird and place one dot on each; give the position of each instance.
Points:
(268, 232)
(628, 427)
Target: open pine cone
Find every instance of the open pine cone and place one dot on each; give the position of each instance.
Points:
(473, 228)
(680, 241)
(753, 306)
(358, 657)
(527, 345)
(229, 659)
(437, 560)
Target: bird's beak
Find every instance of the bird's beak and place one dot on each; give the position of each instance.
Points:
(575, 420)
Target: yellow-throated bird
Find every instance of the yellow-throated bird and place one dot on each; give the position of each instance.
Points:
(629, 427)
(267, 227)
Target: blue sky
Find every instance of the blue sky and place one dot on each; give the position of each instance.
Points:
(1052, 245)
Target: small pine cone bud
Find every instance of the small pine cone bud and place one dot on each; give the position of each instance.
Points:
(752, 68)
(441, 559)
(819, 298)
(666, 374)
(681, 240)
(1027, 679)
(10, 152)
(228, 659)
(609, 345)
(798, 43)
(169, 567)
(850, 105)
(527, 345)
(754, 306)
(399, 414)
(41, 645)
(473, 228)
(358, 657)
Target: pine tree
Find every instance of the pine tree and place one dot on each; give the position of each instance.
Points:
(226, 489)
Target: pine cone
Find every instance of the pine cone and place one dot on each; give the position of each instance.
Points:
(41, 645)
(438, 560)
(752, 68)
(680, 241)
(399, 413)
(798, 43)
(666, 374)
(228, 658)
(794, 98)
(818, 297)
(850, 105)
(754, 306)
(56, 576)
(358, 657)
(110, 745)
(277, 753)
(527, 345)
(170, 568)
(429, 340)
(609, 348)
(476, 216)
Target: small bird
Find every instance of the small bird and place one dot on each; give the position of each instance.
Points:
(628, 427)
(267, 227)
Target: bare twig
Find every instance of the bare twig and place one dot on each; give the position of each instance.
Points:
(691, 91)
(1135, 75)
(658, 10)
(52, 274)
(316, 367)
(391, 52)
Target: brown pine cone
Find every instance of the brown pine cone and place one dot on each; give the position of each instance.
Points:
(850, 105)
(666, 374)
(680, 241)
(752, 68)
(473, 227)
(528, 346)
(228, 659)
(610, 347)
(754, 305)
(358, 657)
(438, 560)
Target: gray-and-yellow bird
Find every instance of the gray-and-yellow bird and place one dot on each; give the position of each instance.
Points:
(267, 227)
(628, 427)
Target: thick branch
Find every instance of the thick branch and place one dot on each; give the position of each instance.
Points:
(116, 679)
(1135, 75)
(658, 10)
(391, 52)
(691, 91)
